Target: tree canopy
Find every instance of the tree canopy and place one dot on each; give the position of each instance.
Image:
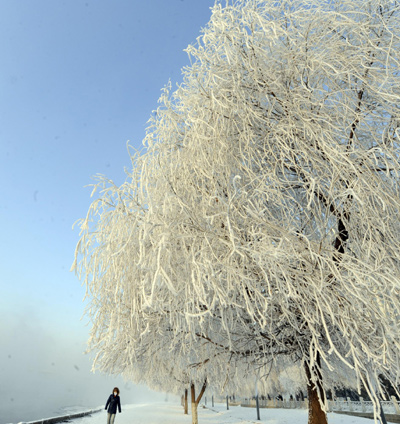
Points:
(261, 220)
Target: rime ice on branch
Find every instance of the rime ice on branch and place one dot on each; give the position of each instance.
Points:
(262, 219)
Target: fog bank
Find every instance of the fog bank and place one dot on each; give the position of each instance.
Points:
(43, 370)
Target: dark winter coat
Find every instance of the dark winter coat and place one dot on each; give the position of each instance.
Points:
(112, 403)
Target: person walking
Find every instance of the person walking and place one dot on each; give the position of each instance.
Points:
(113, 402)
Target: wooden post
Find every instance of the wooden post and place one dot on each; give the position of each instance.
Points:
(212, 401)
(382, 417)
(396, 404)
(350, 403)
(227, 403)
(257, 402)
(363, 409)
(186, 402)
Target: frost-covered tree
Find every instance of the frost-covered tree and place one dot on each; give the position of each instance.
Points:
(132, 339)
(262, 218)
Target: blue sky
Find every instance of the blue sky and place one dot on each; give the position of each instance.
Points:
(77, 80)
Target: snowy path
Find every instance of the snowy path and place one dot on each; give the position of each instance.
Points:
(168, 413)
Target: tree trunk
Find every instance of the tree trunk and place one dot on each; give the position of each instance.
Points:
(185, 406)
(195, 402)
(195, 419)
(315, 413)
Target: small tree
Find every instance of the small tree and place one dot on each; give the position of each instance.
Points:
(263, 218)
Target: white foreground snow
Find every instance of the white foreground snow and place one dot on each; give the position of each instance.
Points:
(168, 413)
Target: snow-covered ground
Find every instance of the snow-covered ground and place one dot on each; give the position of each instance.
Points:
(168, 413)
